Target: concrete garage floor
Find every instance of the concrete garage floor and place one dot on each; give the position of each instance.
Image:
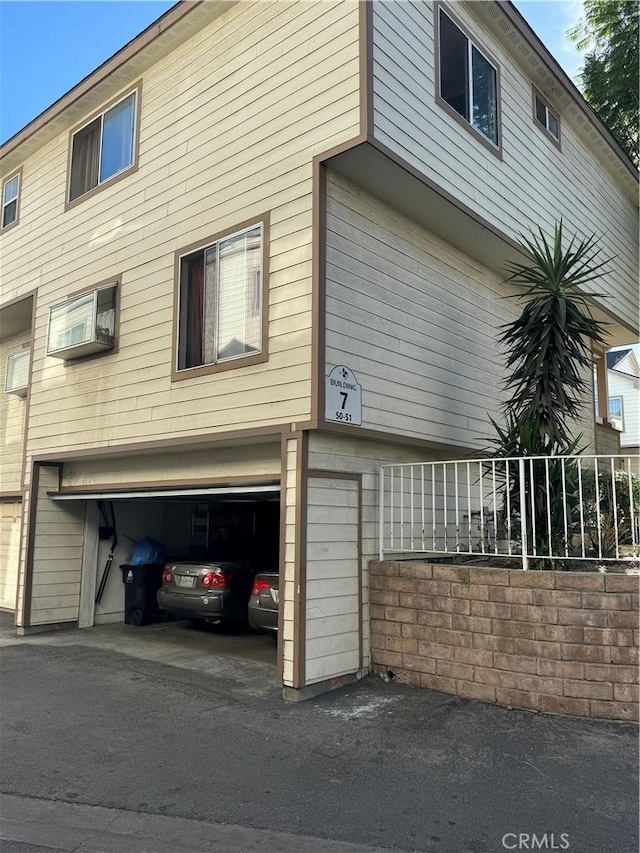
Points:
(244, 660)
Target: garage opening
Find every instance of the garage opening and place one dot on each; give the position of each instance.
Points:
(202, 532)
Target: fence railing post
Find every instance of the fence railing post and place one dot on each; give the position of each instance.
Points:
(523, 515)
(381, 521)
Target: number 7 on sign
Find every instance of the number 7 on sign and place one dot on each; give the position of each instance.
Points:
(344, 396)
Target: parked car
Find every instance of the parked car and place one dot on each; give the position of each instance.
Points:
(263, 604)
(207, 591)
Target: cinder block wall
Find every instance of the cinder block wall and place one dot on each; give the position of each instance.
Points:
(557, 642)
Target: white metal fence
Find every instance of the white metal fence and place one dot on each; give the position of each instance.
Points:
(543, 508)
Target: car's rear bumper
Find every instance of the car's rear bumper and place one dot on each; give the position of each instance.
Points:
(263, 618)
(212, 605)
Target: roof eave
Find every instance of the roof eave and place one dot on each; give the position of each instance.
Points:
(519, 22)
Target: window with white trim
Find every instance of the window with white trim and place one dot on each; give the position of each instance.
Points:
(10, 196)
(103, 148)
(616, 417)
(220, 300)
(468, 80)
(546, 117)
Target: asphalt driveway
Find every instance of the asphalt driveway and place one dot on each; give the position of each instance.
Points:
(96, 736)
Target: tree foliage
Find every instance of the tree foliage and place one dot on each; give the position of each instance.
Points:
(611, 75)
(549, 344)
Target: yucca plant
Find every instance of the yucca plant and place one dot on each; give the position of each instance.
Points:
(549, 344)
(548, 357)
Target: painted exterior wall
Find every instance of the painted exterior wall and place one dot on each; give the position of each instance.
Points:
(216, 149)
(57, 556)
(535, 183)
(332, 618)
(12, 420)
(352, 455)
(174, 466)
(10, 518)
(417, 322)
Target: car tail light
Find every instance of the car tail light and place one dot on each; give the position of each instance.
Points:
(167, 577)
(213, 579)
(259, 586)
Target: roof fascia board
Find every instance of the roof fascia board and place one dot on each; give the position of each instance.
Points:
(524, 30)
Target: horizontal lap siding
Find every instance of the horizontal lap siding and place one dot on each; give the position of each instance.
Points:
(12, 421)
(195, 465)
(332, 595)
(230, 123)
(59, 539)
(534, 185)
(10, 515)
(414, 319)
(351, 454)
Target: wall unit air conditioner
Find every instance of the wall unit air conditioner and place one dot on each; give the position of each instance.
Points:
(83, 325)
(17, 376)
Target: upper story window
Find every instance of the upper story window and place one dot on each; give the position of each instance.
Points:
(467, 80)
(83, 325)
(546, 117)
(221, 316)
(105, 147)
(10, 199)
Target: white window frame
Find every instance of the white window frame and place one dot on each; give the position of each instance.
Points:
(5, 203)
(19, 355)
(219, 362)
(90, 345)
(496, 147)
(136, 95)
(613, 420)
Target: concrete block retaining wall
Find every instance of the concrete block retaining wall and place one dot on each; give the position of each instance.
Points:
(556, 642)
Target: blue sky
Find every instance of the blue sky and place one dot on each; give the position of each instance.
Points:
(64, 40)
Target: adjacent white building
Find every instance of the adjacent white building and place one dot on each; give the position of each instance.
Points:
(624, 396)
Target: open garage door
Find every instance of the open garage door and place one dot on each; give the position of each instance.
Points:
(203, 523)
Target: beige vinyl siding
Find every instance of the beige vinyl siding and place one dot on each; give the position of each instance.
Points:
(12, 420)
(288, 506)
(176, 466)
(10, 516)
(535, 183)
(350, 454)
(415, 319)
(230, 123)
(332, 595)
(57, 555)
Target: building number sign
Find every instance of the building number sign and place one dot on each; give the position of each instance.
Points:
(343, 397)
